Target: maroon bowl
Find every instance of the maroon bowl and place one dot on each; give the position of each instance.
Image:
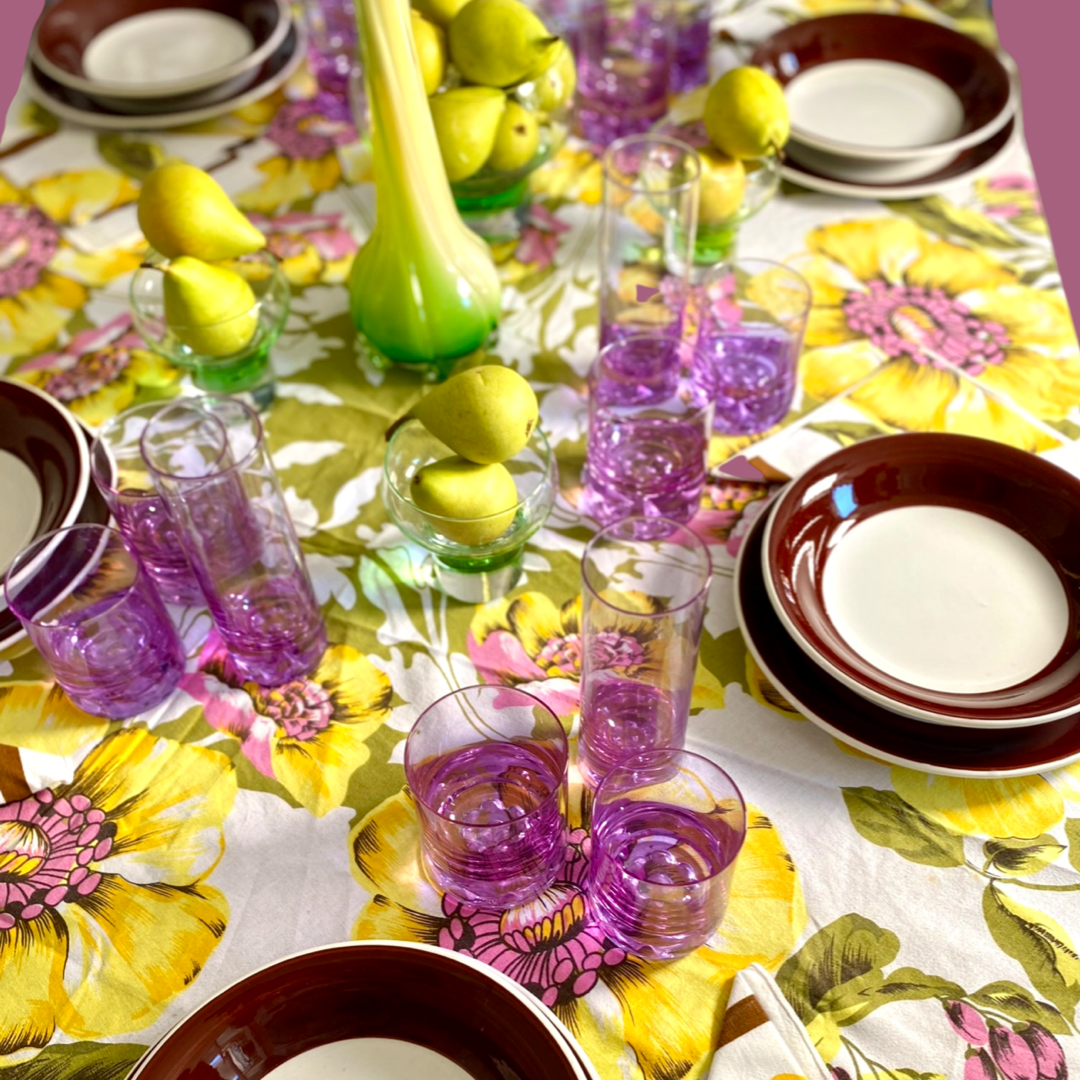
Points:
(818, 513)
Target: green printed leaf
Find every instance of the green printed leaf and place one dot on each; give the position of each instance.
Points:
(939, 216)
(838, 969)
(1040, 944)
(1012, 1000)
(132, 156)
(910, 984)
(1072, 834)
(83, 1061)
(883, 818)
(1015, 857)
(911, 1074)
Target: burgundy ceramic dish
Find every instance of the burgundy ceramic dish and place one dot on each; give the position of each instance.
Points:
(1025, 508)
(933, 748)
(67, 27)
(973, 73)
(317, 1002)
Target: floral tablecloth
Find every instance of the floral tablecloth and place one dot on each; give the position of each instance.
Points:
(922, 927)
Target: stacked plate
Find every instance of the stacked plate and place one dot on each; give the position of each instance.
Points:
(918, 596)
(370, 1010)
(44, 483)
(887, 106)
(130, 64)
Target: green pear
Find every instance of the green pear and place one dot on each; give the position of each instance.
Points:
(440, 12)
(516, 139)
(485, 414)
(430, 42)
(556, 85)
(211, 309)
(466, 120)
(722, 186)
(481, 499)
(184, 211)
(500, 43)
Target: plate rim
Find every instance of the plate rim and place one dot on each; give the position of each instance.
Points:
(818, 720)
(941, 716)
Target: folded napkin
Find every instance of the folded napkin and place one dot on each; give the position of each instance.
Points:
(761, 1037)
(22, 772)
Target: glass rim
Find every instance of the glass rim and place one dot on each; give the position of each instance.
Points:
(607, 161)
(563, 742)
(101, 444)
(549, 458)
(652, 519)
(32, 552)
(645, 758)
(236, 466)
(699, 354)
(718, 270)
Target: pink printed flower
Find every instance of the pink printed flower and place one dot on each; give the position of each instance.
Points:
(1049, 1057)
(311, 129)
(309, 734)
(723, 504)
(540, 238)
(750, 514)
(967, 1023)
(312, 248)
(99, 372)
(980, 1066)
(1012, 1055)
(1013, 198)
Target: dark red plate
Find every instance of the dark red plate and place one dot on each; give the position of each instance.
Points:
(949, 751)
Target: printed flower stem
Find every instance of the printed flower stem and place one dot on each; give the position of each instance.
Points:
(876, 1066)
(994, 879)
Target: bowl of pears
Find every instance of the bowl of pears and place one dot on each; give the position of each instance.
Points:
(470, 477)
(210, 298)
(501, 89)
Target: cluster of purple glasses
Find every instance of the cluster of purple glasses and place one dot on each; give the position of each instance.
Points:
(200, 520)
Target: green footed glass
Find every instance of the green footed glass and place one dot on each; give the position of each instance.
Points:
(423, 290)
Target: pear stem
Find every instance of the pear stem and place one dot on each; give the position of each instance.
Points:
(151, 266)
(395, 425)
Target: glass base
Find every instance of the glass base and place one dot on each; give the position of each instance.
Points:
(476, 581)
(715, 243)
(429, 370)
(498, 218)
(250, 378)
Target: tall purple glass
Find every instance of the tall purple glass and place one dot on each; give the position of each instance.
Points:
(333, 49)
(650, 418)
(666, 829)
(487, 768)
(210, 465)
(645, 583)
(648, 230)
(93, 613)
(625, 50)
(753, 320)
(690, 67)
(124, 481)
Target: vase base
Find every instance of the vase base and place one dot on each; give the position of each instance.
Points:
(435, 370)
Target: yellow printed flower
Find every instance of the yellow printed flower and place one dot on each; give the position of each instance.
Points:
(74, 198)
(41, 717)
(1015, 199)
(310, 734)
(886, 291)
(43, 281)
(105, 916)
(658, 1020)
(571, 174)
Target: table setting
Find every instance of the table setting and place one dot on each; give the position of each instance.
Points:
(540, 541)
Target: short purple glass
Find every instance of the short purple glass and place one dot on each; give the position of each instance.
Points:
(650, 419)
(124, 481)
(93, 613)
(210, 464)
(645, 581)
(624, 60)
(753, 318)
(667, 827)
(487, 769)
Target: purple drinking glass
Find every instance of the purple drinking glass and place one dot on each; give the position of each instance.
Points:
(333, 46)
(754, 315)
(690, 66)
(124, 481)
(210, 464)
(648, 230)
(487, 768)
(650, 419)
(667, 827)
(645, 581)
(91, 610)
(624, 54)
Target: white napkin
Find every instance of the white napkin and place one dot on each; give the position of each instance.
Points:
(761, 1036)
(22, 772)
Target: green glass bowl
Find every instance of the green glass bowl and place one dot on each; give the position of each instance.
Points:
(246, 371)
(473, 573)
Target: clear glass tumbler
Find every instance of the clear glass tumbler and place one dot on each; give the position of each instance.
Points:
(667, 827)
(93, 613)
(645, 582)
(625, 50)
(487, 768)
(647, 235)
(210, 464)
(753, 319)
(650, 419)
(125, 482)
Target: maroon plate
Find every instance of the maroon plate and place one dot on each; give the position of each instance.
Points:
(383, 990)
(1028, 495)
(973, 72)
(934, 748)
